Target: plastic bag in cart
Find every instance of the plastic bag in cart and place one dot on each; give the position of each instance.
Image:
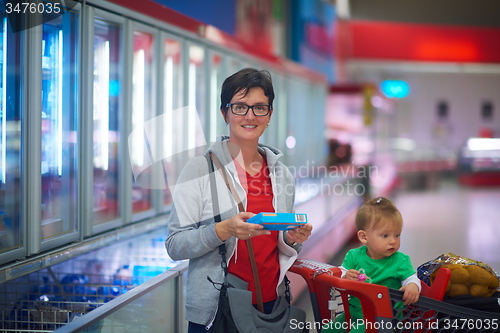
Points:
(473, 284)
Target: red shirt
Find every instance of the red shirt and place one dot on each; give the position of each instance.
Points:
(259, 199)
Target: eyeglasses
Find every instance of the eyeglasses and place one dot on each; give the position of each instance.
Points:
(242, 109)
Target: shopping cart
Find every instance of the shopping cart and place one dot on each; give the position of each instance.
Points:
(380, 304)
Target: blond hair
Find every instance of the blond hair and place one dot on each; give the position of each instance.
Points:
(376, 210)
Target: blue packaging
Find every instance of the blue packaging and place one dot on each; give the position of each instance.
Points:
(279, 221)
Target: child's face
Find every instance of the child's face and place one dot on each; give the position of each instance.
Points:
(383, 240)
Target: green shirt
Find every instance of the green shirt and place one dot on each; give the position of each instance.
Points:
(390, 271)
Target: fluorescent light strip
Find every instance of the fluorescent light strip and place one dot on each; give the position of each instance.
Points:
(105, 106)
(4, 100)
(483, 144)
(138, 105)
(60, 104)
(213, 98)
(192, 110)
(169, 108)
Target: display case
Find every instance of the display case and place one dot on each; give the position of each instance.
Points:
(50, 298)
(479, 162)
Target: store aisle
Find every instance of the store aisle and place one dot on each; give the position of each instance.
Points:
(451, 218)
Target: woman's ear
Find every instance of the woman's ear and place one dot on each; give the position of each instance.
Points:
(362, 236)
(224, 115)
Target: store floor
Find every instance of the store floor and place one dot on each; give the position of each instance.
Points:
(451, 218)
(447, 218)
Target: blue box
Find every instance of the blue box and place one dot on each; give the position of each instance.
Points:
(279, 221)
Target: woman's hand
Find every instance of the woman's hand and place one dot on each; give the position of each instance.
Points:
(299, 234)
(238, 227)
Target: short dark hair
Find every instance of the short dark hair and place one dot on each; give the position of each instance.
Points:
(374, 211)
(243, 81)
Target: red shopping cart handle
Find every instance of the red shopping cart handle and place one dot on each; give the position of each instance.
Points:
(320, 277)
(375, 299)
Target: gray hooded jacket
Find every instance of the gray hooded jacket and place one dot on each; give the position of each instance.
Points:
(191, 230)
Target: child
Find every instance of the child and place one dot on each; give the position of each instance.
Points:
(378, 225)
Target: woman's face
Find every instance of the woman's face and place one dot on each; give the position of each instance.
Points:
(247, 128)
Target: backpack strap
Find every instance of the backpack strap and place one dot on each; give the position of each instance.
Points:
(215, 204)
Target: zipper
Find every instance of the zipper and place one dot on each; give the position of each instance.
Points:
(236, 181)
(272, 176)
(211, 323)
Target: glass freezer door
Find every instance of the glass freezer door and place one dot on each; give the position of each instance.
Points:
(107, 87)
(59, 125)
(172, 127)
(142, 111)
(10, 139)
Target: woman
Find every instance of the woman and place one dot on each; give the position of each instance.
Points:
(263, 183)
